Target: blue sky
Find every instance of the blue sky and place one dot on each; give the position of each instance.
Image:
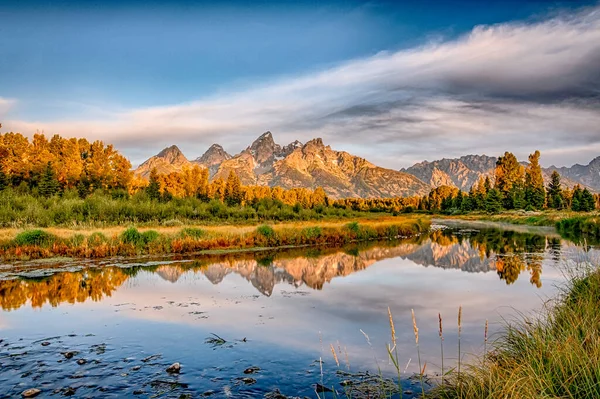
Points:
(394, 82)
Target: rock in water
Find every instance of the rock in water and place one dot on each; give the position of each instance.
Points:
(251, 370)
(30, 393)
(174, 368)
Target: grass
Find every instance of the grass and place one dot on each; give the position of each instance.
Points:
(131, 241)
(24, 210)
(530, 218)
(555, 355)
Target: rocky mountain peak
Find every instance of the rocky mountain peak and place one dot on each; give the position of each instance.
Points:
(213, 156)
(314, 144)
(171, 154)
(264, 148)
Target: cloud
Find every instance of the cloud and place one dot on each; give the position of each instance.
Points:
(515, 86)
(5, 105)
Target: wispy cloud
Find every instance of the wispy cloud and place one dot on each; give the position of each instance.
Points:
(515, 86)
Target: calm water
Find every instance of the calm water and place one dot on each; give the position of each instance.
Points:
(126, 321)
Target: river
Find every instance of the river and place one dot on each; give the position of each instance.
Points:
(254, 324)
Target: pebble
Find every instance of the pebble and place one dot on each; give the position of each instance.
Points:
(31, 393)
(174, 368)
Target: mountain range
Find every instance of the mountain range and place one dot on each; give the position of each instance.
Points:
(341, 174)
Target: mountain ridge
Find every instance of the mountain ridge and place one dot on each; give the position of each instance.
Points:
(295, 165)
(341, 174)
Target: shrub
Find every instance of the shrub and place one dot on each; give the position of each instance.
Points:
(76, 240)
(312, 233)
(266, 231)
(96, 239)
(149, 236)
(192, 232)
(35, 237)
(353, 227)
(131, 236)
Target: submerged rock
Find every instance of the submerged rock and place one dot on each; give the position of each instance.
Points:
(251, 370)
(248, 380)
(174, 368)
(70, 354)
(31, 393)
(81, 362)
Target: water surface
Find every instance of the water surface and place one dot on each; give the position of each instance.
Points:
(279, 312)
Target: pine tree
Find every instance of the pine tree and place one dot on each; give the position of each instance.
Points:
(576, 199)
(153, 189)
(588, 203)
(49, 185)
(233, 190)
(535, 194)
(554, 192)
(493, 201)
(3, 180)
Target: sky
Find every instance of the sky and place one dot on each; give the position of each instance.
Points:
(394, 82)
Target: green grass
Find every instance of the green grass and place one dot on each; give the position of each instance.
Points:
(555, 355)
(22, 210)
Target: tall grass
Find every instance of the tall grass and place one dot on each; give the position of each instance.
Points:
(555, 355)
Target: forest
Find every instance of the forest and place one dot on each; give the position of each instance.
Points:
(71, 181)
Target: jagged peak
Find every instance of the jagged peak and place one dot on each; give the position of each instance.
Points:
(265, 138)
(170, 152)
(316, 142)
(215, 147)
(214, 155)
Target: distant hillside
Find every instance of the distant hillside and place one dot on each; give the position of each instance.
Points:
(308, 165)
(588, 175)
(465, 171)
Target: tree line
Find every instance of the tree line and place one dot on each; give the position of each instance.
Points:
(511, 186)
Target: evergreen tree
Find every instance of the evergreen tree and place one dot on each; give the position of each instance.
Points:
(49, 185)
(153, 189)
(458, 200)
(3, 180)
(493, 201)
(233, 190)
(554, 192)
(535, 194)
(576, 199)
(487, 184)
(588, 203)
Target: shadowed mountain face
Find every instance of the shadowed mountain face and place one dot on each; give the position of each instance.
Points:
(508, 253)
(465, 171)
(588, 175)
(295, 165)
(171, 159)
(213, 158)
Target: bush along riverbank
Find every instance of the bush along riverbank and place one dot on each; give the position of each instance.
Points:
(38, 243)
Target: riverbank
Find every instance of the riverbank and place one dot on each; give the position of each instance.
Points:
(575, 226)
(18, 244)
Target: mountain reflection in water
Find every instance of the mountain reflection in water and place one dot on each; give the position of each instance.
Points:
(509, 253)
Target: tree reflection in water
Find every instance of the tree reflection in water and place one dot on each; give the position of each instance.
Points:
(509, 253)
